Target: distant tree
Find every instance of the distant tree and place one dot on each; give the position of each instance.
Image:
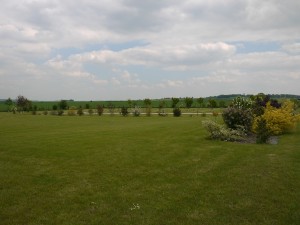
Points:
(63, 104)
(129, 102)
(161, 104)
(23, 104)
(9, 104)
(188, 102)
(100, 109)
(200, 101)
(54, 107)
(222, 104)
(174, 102)
(80, 111)
(212, 103)
(147, 102)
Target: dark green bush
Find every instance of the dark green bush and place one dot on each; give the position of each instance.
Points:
(176, 112)
(124, 111)
(235, 117)
(262, 131)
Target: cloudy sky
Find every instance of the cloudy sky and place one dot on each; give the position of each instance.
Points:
(136, 49)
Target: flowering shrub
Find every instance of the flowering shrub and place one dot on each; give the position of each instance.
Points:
(235, 117)
(219, 132)
(278, 120)
(72, 111)
(241, 103)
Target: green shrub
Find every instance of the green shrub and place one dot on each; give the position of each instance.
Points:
(80, 111)
(91, 112)
(100, 110)
(60, 112)
(235, 117)
(124, 111)
(136, 111)
(176, 112)
(72, 111)
(220, 132)
(262, 131)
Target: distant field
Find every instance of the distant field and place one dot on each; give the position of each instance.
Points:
(141, 170)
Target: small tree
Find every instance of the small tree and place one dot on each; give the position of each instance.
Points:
(188, 102)
(200, 101)
(63, 104)
(9, 104)
(100, 109)
(80, 111)
(174, 102)
(23, 104)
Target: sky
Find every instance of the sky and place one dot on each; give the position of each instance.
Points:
(136, 49)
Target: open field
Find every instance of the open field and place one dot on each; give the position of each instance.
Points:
(89, 170)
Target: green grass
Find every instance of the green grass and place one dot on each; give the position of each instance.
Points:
(95, 170)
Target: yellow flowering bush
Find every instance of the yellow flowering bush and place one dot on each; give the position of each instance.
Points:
(278, 120)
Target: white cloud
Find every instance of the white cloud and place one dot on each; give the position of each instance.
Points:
(189, 43)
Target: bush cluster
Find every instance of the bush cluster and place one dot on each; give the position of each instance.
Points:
(235, 117)
(220, 132)
(278, 120)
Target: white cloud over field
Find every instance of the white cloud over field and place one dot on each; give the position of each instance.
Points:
(138, 49)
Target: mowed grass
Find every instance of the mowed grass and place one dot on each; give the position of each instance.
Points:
(141, 170)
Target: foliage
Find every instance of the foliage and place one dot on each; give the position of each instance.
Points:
(212, 103)
(72, 111)
(124, 111)
(63, 104)
(54, 107)
(136, 111)
(147, 102)
(60, 112)
(176, 112)
(241, 103)
(100, 110)
(80, 111)
(91, 112)
(200, 101)
(278, 120)
(262, 132)
(111, 108)
(174, 102)
(235, 117)
(148, 110)
(23, 104)
(188, 102)
(220, 132)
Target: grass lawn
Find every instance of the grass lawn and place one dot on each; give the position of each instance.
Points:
(141, 170)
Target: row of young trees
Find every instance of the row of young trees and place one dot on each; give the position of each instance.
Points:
(22, 104)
